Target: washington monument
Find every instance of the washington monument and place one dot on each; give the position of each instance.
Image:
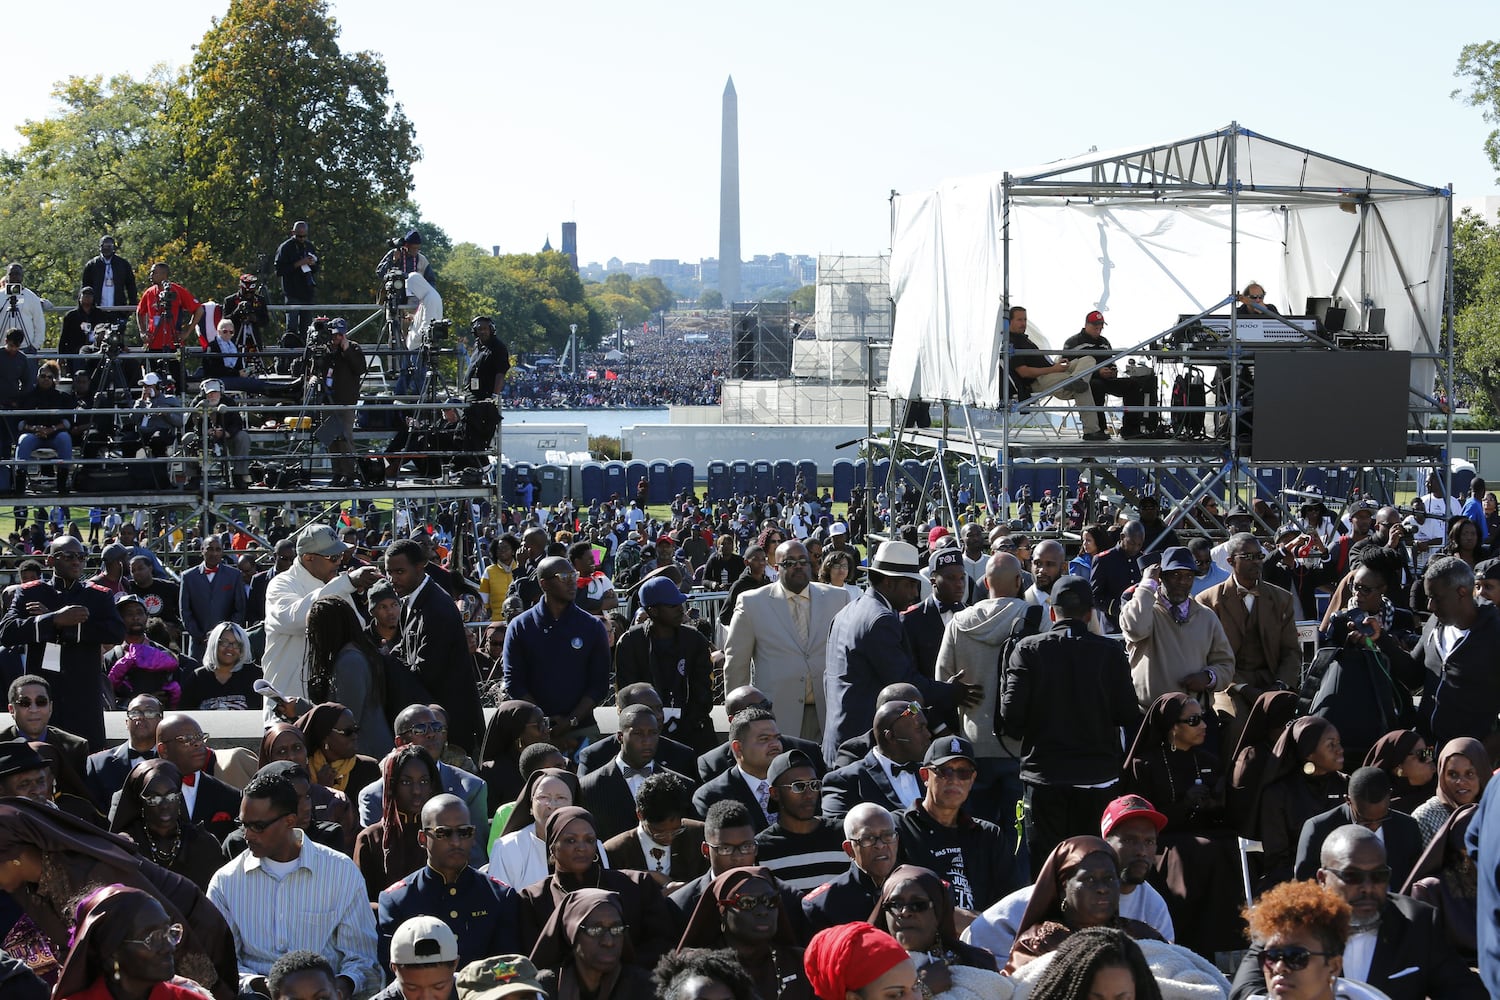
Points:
(729, 200)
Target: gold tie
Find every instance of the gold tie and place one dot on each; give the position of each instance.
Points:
(801, 613)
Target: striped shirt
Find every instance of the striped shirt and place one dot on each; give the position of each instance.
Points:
(803, 861)
(320, 905)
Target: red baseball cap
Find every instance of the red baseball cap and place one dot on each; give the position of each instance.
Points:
(1129, 807)
(935, 534)
(1095, 317)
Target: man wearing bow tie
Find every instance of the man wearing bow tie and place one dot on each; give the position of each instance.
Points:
(211, 593)
(1261, 624)
(105, 771)
(890, 774)
(609, 793)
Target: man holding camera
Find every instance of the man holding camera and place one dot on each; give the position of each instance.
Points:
(78, 332)
(417, 281)
(165, 310)
(342, 369)
(24, 309)
(297, 266)
(110, 276)
(246, 310)
(161, 418)
(226, 428)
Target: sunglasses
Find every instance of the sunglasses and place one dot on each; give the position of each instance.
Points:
(192, 741)
(1361, 876)
(465, 832)
(169, 799)
(351, 732)
(803, 787)
(40, 701)
(618, 930)
(955, 773)
(139, 715)
(744, 903)
(906, 906)
(162, 938)
(1363, 588)
(912, 708)
(1293, 958)
(1191, 720)
(260, 825)
(1426, 755)
(424, 728)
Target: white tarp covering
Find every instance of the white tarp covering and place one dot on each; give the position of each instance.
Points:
(1144, 261)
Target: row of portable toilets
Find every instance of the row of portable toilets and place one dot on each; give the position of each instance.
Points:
(664, 480)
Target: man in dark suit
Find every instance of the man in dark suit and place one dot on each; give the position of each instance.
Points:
(721, 758)
(670, 754)
(433, 645)
(1116, 571)
(211, 593)
(853, 749)
(729, 842)
(1396, 944)
(665, 843)
(1367, 804)
(255, 603)
(609, 793)
(105, 771)
(868, 650)
(296, 264)
(1467, 696)
(30, 705)
(755, 741)
(925, 622)
(211, 804)
(111, 276)
(889, 774)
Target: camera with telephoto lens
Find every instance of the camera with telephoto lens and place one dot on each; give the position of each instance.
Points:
(395, 288)
(109, 337)
(439, 329)
(320, 334)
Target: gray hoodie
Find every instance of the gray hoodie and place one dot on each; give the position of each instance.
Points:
(970, 652)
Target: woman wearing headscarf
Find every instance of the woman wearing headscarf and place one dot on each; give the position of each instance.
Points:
(387, 850)
(1197, 854)
(1271, 713)
(1078, 887)
(49, 859)
(1463, 772)
(1447, 878)
(585, 951)
(573, 856)
(515, 726)
(1408, 761)
(858, 959)
(519, 857)
(284, 741)
(1303, 778)
(916, 909)
(331, 733)
(124, 947)
(153, 814)
(741, 910)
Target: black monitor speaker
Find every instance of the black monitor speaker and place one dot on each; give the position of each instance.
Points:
(1361, 412)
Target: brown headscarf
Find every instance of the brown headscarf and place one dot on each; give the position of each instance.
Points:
(520, 816)
(499, 760)
(705, 928)
(315, 725)
(1047, 894)
(128, 812)
(948, 943)
(1464, 746)
(1388, 753)
(1156, 730)
(1295, 745)
(105, 920)
(1268, 719)
(554, 946)
(553, 828)
(263, 757)
(1444, 847)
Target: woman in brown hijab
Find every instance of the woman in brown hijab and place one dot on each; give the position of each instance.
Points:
(1463, 771)
(1271, 713)
(1078, 887)
(284, 741)
(584, 950)
(1409, 762)
(741, 910)
(573, 857)
(49, 860)
(334, 761)
(1303, 778)
(513, 727)
(153, 814)
(1447, 878)
(123, 949)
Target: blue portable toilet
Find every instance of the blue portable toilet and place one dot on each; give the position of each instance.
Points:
(743, 478)
(659, 482)
(881, 474)
(917, 470)
(614, 481)
(591, 483)
(634, 473)
(808, 470)
(765, 477)
(507, 481)
(682, 476)
(720, 485)
(552, 484)
(784, 474)
(843, 480)
(861, 472)
(525, 472)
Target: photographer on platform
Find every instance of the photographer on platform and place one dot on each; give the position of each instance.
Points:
(297, 267)
(111, 277)
(78, 332)
(161, 418)
(223, 360)
(339, 364)
(1137, 390)
(247, 312)
(221, 424)
(165, 310)
(491, 361)
(45, 422)
(405, 274)
(23, 308)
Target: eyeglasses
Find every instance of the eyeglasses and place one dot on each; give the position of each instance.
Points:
(260, 825)
(618, 930)
(870, 840)
(465, 832)
(906, 906)
(955, 773)
(796, 562)
(744, 903)
(67, 554)
(803, 787)
(40, 701)
(191, 741)
(912, 709)
(1426, 755)
(731, 850)
(1294, 958)
(169, 799)
(1363, 588)
(1191, 720)
(423, 729)
(140, 714)
(566, 577)
(162, 938)
(1252, 556)
(351, 732)
(1361, 876)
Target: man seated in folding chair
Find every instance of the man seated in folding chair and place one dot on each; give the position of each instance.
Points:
(1034, 374)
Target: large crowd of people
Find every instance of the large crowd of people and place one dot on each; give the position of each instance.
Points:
(661, 369)
(959, 761)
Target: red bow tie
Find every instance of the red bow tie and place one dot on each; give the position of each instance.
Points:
(190, 779)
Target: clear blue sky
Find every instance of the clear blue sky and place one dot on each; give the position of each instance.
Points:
(532, 113)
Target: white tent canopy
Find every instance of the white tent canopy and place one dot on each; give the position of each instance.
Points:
(1151, 233)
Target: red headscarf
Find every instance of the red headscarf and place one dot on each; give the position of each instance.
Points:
(849, 957)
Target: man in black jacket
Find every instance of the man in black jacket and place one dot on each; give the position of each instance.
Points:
(296, 265)
(110, 276)
(873, 842)
(939, 833)
(673, 756)
(924, 623)
(890, 773)
(1459, 648)
(675, 659)
(1396, 944)
(721, 758)
(1070, 745)
(1138, 392)
(609, 793)
(1368, 805)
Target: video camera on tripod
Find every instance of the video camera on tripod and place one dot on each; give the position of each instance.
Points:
(436, 332)
(394, 288)
(12, 290)
(109, 337)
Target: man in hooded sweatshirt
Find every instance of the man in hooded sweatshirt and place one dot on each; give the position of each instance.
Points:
(970, 652)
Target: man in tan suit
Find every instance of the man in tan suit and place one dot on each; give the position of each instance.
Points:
(1261, 624)
(777, 641)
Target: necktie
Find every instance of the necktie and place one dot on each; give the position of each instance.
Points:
(801, 615)
(950, 607)
(190, 779)
(635, 772)
(763, 796)
(657, 853)
(910, 769)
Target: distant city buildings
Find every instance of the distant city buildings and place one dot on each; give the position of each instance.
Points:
(777, 272)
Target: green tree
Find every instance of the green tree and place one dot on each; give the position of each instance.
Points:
(1479, 64)
(280, 124)
(651, 293)
(1476, 319)
(804, 299)
(711, 299)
